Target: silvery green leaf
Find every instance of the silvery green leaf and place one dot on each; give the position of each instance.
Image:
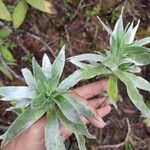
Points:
(46, 66)
(86, 57)
(70, 112)
(94, 71)
(134, 69)
(70, 81)
(29, 79)
(58, 65)
(37, 71)
(113, 89)
(140, 59)
(39, 101)
(105, 26)
(130, 50)
(138, 81)
(113, 45)
(23, 122)
(133, 93)
(127, 36)
(81, 107)
(81, 142)
(16, 93)
(53, 139)
(81, 64)
(141, 42)
(118, 30)
(80, 129)
(52, 84)
(133, 32)
(21, 104)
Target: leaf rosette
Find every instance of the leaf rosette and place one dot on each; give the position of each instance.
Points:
(45, 94)
(121, 61)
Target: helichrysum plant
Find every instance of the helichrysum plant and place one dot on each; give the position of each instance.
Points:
(121, 61)
(45, 94)
(21, 8)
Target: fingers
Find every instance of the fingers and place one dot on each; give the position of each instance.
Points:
(91, 90)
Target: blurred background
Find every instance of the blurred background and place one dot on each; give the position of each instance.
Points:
(75, 24)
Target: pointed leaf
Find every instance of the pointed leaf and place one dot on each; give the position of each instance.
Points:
(81, 107)
(70, 112)
(58, 65)
(105, 26)
(20, 105)
(46, 66)
(22, 123)
(87, 57)
(118, 30)
(29, 79)
(19, 13)
(53, 139)
(16, 92)
(94, 71)
(75, 128)
(141, 42)
(4, 13)
(134, 94)
(81, 142)
(70, 81)
(37, 71)
(133, 32)
(113, 89)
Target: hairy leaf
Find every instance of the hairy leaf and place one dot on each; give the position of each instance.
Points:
(81, 142)
(23, 122)
(70, 112)
(29, 79)
(141, 42)
(75, 128)
(53, 140)
(5, 32)
(16, 93)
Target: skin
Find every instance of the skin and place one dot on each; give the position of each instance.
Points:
(33, 138)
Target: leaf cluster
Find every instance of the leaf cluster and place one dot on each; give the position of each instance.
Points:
(121, 61)
(20, 10)
(45, 94)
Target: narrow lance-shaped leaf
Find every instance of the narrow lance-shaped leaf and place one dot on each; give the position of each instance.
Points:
(46, 66)
(58, 65)
(5, 32)
(81, 142)
(70, 81)
(81, 107)
(19, 13)
(94, 71)
(53, 139)
(37, 71)
(141, 42)
(16, 92)
(118, 30)
(29, 79)
(70, 112)
(105, 26)
(4, 13)
(80, 129)
(23, 122)
(134, 94)
(87, 57)
(113, 89)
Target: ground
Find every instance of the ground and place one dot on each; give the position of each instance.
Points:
(75, 25)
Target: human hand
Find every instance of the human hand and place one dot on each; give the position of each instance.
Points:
(33, 138)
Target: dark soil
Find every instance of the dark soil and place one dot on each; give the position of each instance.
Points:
(43, 33)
